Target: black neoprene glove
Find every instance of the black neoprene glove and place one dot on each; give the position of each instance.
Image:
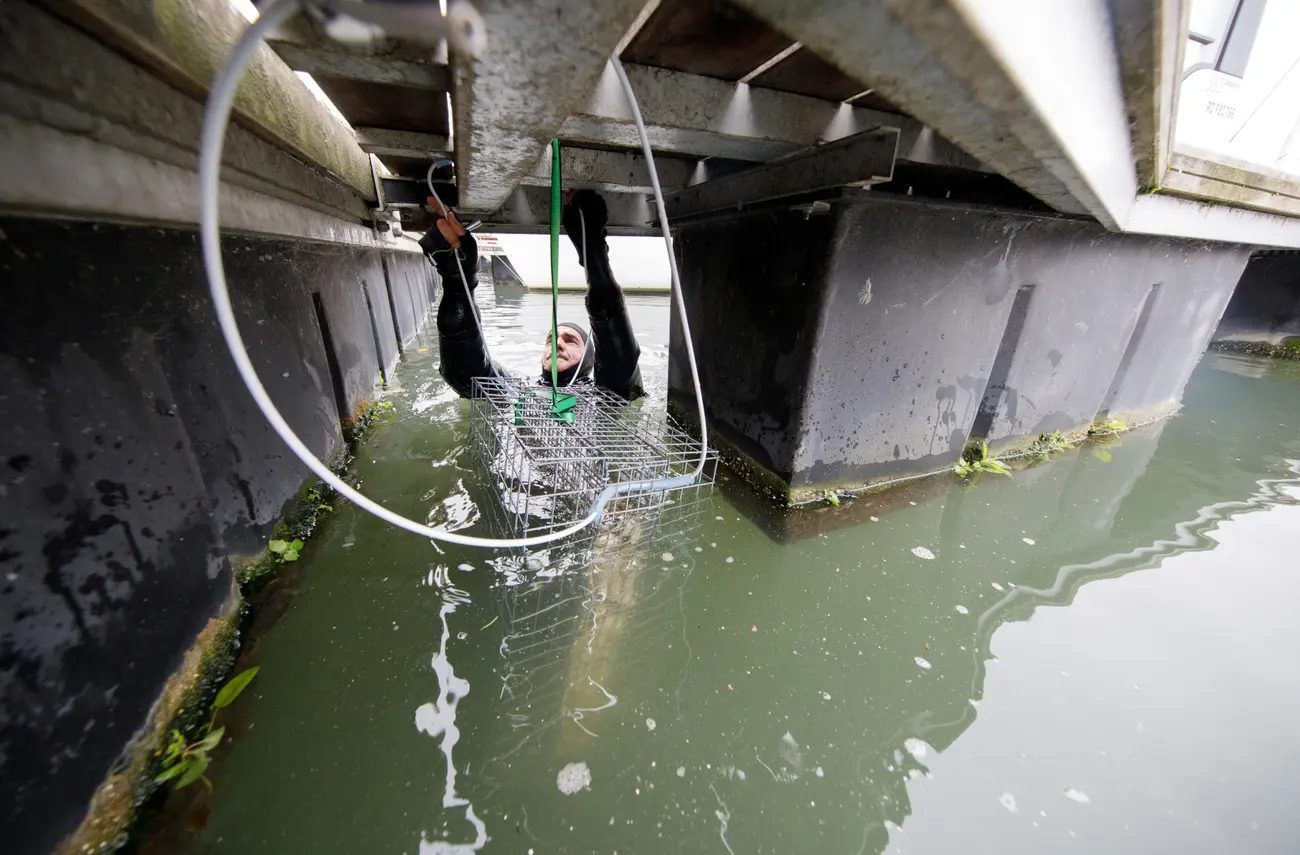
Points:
(440, 252)
(587, 207)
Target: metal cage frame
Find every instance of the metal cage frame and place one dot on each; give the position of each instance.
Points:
(548, 470)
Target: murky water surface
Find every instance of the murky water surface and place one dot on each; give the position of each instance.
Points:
(1099, 656)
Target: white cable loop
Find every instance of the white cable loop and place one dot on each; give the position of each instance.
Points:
(215, 119)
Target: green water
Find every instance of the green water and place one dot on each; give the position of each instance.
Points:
(1100, 657)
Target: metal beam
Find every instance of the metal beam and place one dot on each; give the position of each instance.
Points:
(385, 141)
(1052, 121)
(862, 159)
(508, 104)
(340, 62)
(706, 117)
(612, 171)
(407, 193)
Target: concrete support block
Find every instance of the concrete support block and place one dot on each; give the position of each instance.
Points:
(872, 341)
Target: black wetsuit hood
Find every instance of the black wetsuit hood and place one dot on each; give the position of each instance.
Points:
(581, 371)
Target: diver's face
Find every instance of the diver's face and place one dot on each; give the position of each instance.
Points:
(568, 349)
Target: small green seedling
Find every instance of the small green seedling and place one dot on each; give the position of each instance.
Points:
(1108, 428)
(185, 762)
(1046, 445)
(285, 550)
(831, 498)
(976, 460)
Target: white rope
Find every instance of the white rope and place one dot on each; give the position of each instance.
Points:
(215, 119)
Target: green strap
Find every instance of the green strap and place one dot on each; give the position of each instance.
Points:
(555, 269)
(561, 405)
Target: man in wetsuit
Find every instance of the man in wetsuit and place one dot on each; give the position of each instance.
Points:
(607, 356)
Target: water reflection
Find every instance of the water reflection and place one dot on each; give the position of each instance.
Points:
(578, 632)
(438, 719)
(755, 684)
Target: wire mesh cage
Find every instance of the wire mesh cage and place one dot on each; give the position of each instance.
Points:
(548, 470)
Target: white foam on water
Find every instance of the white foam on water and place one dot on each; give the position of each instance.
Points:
(1077, 795)
(924, 663)
(916, 747)
(997, 586)
(667, 556)
(572, 778)
(1028, 540)
(681, 770)
(1008, 801)
(962, 610)
(922, 552)
(464, 566)
(427, 719)
(650, 724)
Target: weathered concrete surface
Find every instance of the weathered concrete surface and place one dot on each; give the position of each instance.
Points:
(869, 333)
(1148, 36)
(1000, 96)
(134, 464)
(63, 112)
(528, 210)
(1266, 305)
(701, 116)
(511, 101)
(1210, 175)
(611, 171)
(388, 142)
(186, 42)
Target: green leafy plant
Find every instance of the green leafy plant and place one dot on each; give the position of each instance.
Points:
(285, 550)
(366, 417)
(1107, 428)
(1046, 445)
(184, 761)
(976, 460)
(831, 498)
